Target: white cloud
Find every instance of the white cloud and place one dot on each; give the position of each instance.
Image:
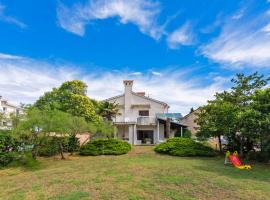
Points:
(156, 73)
(266, 29)
(181, 36)
(239, 14)
(244, 43)
(142, 13)
(25, 79)
(10, 19)
(136, 74)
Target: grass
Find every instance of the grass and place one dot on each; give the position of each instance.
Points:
(142, 174)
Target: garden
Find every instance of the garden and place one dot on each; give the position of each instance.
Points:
(41, 157)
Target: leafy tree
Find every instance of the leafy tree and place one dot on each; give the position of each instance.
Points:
(70, 97)
(231, 113)
(217, 118)
(261, 113)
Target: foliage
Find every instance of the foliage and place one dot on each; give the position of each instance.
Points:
(73, 144)
(105, 147)
(49, 145)
(184, 147)
(241, 114)
(7, 142)
(70, 97)
(104, 130)
(39, 126)
(108, 110)
(6, 158)
(186, 133)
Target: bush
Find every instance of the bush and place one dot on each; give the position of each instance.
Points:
(184, 147)
(6, 158)
(7, 142)
(50, 146)
(105, 147)
(73, 144)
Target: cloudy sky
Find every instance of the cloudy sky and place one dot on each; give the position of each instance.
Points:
(177, 51)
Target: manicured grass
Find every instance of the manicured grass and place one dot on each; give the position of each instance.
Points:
(142, 174)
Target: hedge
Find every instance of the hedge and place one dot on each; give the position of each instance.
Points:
(184, 147)
(105, 147)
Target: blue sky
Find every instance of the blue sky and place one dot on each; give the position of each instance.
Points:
(180, 52)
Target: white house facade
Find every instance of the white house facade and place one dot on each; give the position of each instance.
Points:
(142, 120)
(6, 109)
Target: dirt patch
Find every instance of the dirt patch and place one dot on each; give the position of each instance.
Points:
(141, 150)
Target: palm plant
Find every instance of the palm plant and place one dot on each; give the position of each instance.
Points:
(108, 110)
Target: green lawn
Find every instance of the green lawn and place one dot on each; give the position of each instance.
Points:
(141, 174)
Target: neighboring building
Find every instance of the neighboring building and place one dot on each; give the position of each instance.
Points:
(142, 119)
(190, 121)
(6, 109)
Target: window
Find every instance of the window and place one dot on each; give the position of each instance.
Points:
(4, 109)
(143, 112)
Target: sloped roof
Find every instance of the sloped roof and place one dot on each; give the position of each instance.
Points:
(134, 93)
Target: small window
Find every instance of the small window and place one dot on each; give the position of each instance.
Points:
(4, 109)
(143, 112)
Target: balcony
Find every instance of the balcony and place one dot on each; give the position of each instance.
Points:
(146, 120)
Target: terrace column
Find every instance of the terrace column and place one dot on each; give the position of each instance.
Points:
(134, 134)
(130, 134)
(157, 132)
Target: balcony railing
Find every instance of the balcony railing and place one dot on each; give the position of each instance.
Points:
(146, 120)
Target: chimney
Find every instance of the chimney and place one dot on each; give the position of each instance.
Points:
(128, 86)
(140, 93)
(128, 99)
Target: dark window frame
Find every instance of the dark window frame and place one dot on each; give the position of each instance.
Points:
(144, 113)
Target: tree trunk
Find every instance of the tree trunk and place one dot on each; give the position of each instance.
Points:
(34, 152)
(61, 150)
(219, 143)
(241, 153)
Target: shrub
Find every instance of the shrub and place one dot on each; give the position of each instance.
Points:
(50, 146)
(73, 143)
(184, 147)
(7, 142)
(105, 147)
(6, 158)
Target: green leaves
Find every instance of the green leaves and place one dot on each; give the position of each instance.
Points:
(70, 97)
(241, 114)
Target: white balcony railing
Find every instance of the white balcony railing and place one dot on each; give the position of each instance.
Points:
(146, 120)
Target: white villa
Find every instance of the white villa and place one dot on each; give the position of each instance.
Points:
(142, 119)
(6, 109)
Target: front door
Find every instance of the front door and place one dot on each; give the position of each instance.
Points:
(146, 136)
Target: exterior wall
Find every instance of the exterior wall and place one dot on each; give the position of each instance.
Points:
(189, 120)
(127, 121)
(136, 103)
(6, 109)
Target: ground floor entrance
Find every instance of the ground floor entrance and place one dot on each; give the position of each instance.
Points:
(145, 136)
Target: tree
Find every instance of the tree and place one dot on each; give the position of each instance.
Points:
(261, 107)
(231, 113)
(108, 110)
(217, 118)
(70, 97)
